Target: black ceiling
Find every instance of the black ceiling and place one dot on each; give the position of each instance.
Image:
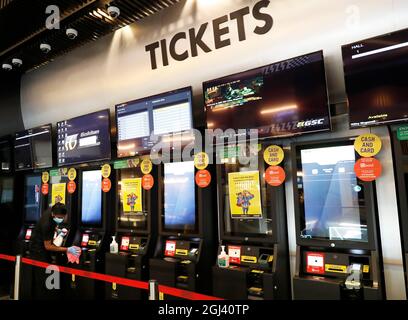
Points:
(23, 28)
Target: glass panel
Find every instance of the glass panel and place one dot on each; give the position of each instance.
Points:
(129, 213)
(32, 202)
(252, 224)
(179, 197)
(332, 200)
(91, 197)
(6, 190)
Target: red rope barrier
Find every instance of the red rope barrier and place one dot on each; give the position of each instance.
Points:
(184, 294)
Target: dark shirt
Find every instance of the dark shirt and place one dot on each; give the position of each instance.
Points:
(43, 231)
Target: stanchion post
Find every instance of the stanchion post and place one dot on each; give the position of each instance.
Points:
(153, 290)
(17, 277)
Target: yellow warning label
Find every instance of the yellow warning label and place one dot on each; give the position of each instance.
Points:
(134, 247)
(366, 269)
(182, 252)
(335, 268)
(92, 242)
(256, 271)
(249, 259)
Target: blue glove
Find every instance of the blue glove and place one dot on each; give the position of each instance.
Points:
(75, 251)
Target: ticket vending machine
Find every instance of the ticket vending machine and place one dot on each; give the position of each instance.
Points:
(32, 209)
(400, 151)
(254, 237)
(91, 234)
(185, 252)
(338, 252)
(136, 230)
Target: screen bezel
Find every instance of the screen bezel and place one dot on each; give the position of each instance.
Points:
(205, 84)
(103, 206)
(32, 167)
(197, 231)
(189, 88)
(345, 47)
(93, 160)
(369, 195)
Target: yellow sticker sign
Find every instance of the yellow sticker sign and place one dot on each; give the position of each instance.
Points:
(58, 193)
(274, 155)
(201, 160)
(368, 145)
(106, 171)
(132, 195)
(146, 166)
(45, 177)
(245, 194)
(72, 174)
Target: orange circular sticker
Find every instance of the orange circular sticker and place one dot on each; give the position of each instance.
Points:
(45, 189)
(71, 187)
(147, 182)
(106, 185)
(368, 169)
(275, 176)
(203, 178)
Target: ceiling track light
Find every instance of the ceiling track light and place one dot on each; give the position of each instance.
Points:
(17, 62)
(7, 67)
(71, 33)
(45, 47)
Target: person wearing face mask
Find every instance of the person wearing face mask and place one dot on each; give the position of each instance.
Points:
(42, 247)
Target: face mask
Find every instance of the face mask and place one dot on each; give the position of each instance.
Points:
(58, 220)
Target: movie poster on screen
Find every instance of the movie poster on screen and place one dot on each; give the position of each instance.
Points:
(245, 195)
(58, 193)
(132, 195)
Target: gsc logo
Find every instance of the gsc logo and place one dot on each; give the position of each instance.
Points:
(310, 123)
(71, 142)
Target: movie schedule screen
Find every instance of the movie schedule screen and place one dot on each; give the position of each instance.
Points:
(281, 99)
(376, 79)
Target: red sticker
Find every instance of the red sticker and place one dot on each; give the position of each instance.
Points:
(71, 187)
(368, 169)
(275, 176)
(234, 253)
(45, 189)
(315, 263)
(147, 182)
(124, 245)
(203, 178)
(170, 250)
(106, 185)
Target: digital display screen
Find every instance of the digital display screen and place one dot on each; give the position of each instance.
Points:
(33, 148)
(32, 201)
(179, 196)
(91, 212)
(5, 154)
(333, 200)
(6, 190)
(376, 79)
(143, 123)
(84, 139)
(281, 99)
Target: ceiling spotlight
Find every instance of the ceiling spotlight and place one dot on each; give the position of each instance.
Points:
(7, 67)
(45, 47)
(17, 62)
(113, 11)
(71, 33)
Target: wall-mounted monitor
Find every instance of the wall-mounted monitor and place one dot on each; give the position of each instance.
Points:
(179, 197)
(5, 154)
(281, 99)
(32, 199)
(332, 202)
(376, 79)
(91, 206)
(33, 148)
(84, 139)
(161, 118)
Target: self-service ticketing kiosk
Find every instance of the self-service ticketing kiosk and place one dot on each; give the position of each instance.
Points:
(32, 210)
(91, 235)
(400, 152)
(254, 236)
(185, 251)
(136, 229)
(338, 249)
